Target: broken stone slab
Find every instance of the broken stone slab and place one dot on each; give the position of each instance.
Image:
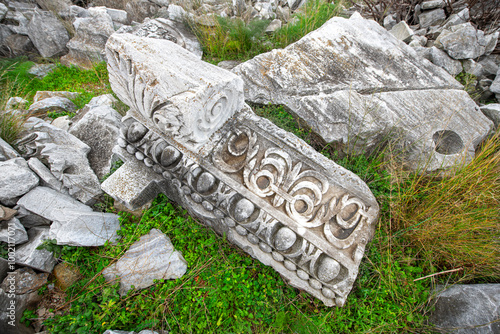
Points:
(188, 101)
(19, 289)
(133, 184)
(51, 204)
(161, 28)
(89, 229)
(16, 178)
(99, 128)
(432, 18)
(464, 41)
(48, 34)
(66, 156)
(30, 219)
(28, 255)
(495, 86)
(55, 104)
(13, 232)
(432, 4)
(440, 58)
(152, 257)
(44, 94)
(6, 151)
(19, 45)
(41, 70)
(402, 31)
(492, 111)
(47, 179)
(337, 80)
(118, 15)
(87, 46)
(465, 309)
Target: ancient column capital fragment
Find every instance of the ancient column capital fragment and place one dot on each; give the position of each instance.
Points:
(270, 193)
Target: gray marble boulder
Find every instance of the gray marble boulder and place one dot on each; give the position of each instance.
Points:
(355, 84)
(51, 204)
(28, 255)
(55, 104)
(47, 179)
(12, 231)
(48, 34)
(152, 257)
(432, 17)
(99, 128)
(16, 178)
(66, 156)
(464, 41)
(85, 229)
(467, 309)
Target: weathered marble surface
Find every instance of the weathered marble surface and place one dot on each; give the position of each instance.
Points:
(267, 190)
(355, 84)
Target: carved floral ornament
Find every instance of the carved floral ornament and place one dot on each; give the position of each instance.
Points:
(291, 187)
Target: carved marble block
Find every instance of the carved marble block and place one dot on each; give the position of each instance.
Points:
(184, 98)
(270, 193)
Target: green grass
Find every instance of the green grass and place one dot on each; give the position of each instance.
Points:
(231, 39)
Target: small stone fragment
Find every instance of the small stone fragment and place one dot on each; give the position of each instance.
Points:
(492, 111)
(432, 4)
(432, 18)
(45, 94)
(6, 213)
(28, 255)
(16, 178)
(15, 103)
(273, 26)
(55, 104)
(6, 151)
(47, 179)
(402, 31)
(41, 70)
(152, 257)
(66, 275)
(12, 231)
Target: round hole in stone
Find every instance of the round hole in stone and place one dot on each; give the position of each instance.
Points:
(300, 206)
(263, 182)
(447, 142)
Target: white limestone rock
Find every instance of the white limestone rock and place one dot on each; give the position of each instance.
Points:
(15, 103)
(432, 4)
(99, 128)
(47, 179)
(41, 70)
(28, 255)
(151, 258)
(339, 81)
(16, 178)
(492, 111)
(187, 102)
(51, 204)
(402, 31)
(173, 31)
(6, 151)
(431, 18)
(89, 229)
(176, 13)
(45, 94)
(63, 122)
(56, 104)
(48, 34)
(464, 41)
(495, 86)
(12, 231)
(471, 67)
(66, 156)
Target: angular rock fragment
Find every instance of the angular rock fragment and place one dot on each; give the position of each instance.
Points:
(6, 213)
(48, 34)
(28, 255)
(464, 309)
(99, 128)
(51, 204)
(13, 232)
(89, 229)
(16, 178)
(6, 151)
(166, 29)
(182, 97)
(47, 179)
(402, 31)
(265, 189)
(492, 111)
(66, 156)
(431, 18)
(151, 258)
(339, 81)
(45, 94)
(55, 104)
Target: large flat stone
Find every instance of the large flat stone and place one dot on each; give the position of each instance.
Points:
(152, 257)
(340, 81)
(88, 229)
(51, 204)
(16, 178)
(467, 309)
(180, 95)
(48, 34)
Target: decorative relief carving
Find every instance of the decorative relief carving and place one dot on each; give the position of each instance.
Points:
(285, 184)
